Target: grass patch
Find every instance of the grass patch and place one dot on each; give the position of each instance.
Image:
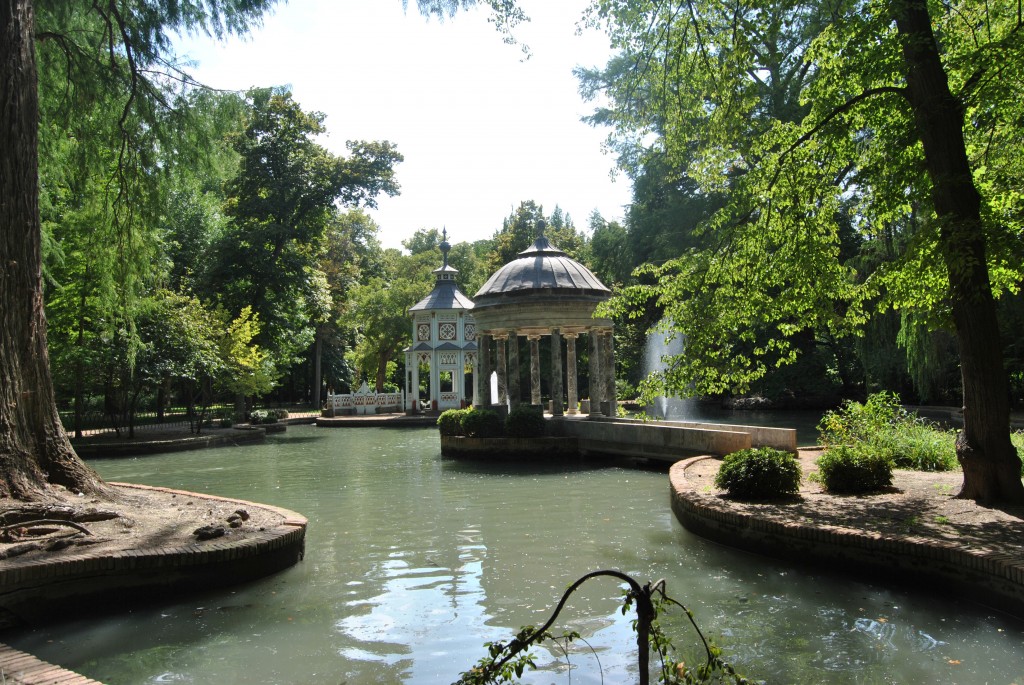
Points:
(883, 427)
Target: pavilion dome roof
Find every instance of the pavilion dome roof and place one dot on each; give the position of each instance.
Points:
(541, 269)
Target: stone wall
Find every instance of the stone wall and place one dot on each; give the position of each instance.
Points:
(458, 446)
(760, 436)
(662, 441)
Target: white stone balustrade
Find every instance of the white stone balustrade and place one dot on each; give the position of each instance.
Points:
(365, 401)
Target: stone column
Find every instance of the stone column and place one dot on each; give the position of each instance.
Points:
(594, 379)
(476, 379)
(570, 373)
(514, 395)
(556, 373)
(608, 362)
(414, 391)
(534, 368)
(500, 367)
(435, 380)
(459, 379)
(483, 371)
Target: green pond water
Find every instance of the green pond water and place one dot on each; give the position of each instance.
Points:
(413, 561)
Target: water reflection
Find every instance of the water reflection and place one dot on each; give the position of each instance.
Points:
(414, 561)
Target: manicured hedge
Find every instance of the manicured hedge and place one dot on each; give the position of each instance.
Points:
(853, 470)
(450, 421)
(525, 421)
(760, 473)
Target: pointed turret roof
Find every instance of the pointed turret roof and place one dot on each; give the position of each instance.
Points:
(446, 293)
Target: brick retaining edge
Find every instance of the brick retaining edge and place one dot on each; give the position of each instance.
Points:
(34, 591)
(996, 580)
(25, 669)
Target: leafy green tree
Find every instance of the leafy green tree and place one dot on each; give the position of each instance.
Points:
(1012, 320)
(198, 349)
(667, 213)
(505, 14)
(129, 56)
(177, 346)
(610, 250)
(379, 317)
(423, 241)
(192, 211)
(519, 230)
(81, 264)
(424, 245)
(889, 115)
(280, 204)
(245, 368)
(351, 254)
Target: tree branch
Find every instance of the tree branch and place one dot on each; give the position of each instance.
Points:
(835, 113)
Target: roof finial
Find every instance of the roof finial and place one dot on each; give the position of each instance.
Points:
(541, 224)
(444, 246)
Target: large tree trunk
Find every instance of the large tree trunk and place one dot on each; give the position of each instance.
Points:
(992, 469)
(382, 373)
(318, 348)
(34, 449)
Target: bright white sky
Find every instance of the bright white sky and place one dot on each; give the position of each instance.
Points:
(481, 129)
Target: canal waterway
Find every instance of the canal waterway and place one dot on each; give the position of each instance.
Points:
(413, 561)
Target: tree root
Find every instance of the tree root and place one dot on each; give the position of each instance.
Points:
(18, 550)
(73, 539)
(54, 513)
(16, 531)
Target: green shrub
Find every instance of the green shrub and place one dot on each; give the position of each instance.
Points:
(853, 470)
(482, 423)
(882, 426)
(856, 422)
(279, 414)
(450, 421)
(761, 473)
(922, 447)
(525, 421)
(259, 416)
(625, 390)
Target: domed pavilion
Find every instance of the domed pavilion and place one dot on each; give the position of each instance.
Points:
(543, 293)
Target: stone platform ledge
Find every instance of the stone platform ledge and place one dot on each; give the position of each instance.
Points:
(33, 591)
(993, 579)
(377, 421)
(525, 448)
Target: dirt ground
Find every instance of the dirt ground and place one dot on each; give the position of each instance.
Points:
(136, 519)
(919, 505)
